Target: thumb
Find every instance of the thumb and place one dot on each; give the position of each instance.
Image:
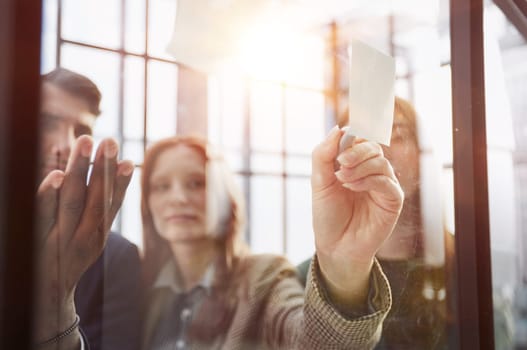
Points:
(323, 160)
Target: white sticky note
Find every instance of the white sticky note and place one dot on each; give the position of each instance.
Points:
(371, 93)
(207, 32)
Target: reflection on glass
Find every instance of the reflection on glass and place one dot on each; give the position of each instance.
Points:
(266, 215)
(505, 91)
(162, 100)
(93, 22)
(103, 68)
(248, 113)
(413, 256)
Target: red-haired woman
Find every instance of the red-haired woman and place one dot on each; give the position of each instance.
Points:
(208, 292)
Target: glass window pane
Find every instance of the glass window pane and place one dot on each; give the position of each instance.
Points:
(266, 215)
(133, 150)
(266, 116)
(304, 120)
(135, 13)
(298, 165)
(162, 16)
(234, 160)
(48, 56)
(162, 100)
(131, 224)
(103, 68)
(306, 63)
(432, 97)
(505, 106)
(134, 90)
(231, 116)
(95, 22)
(266, 162)
(300, 236)
(214, 111)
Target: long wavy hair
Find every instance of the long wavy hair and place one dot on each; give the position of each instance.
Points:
(220, 180)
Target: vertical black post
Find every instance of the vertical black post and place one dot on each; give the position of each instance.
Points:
(475, 313)
(20, 28)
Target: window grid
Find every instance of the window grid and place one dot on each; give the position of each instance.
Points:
(123, 54)
(247, 152)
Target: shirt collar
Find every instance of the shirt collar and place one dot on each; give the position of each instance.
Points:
(169, 277)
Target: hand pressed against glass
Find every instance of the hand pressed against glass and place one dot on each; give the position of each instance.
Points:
(75, 214)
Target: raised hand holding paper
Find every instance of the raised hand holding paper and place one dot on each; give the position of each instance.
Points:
(371, 95)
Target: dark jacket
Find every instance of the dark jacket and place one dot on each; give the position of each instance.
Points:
(108, 298)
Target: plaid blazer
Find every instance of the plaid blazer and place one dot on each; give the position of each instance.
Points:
(261, 304)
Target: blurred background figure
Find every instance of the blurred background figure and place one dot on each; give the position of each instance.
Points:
(419, 314)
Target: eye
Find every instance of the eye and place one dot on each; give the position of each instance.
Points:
(160, 187)
(196, 183)
(81, 129)
(49, 122)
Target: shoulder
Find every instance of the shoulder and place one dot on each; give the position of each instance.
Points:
(118, 242)
(118, 245)
(120, 256)
(260, 272)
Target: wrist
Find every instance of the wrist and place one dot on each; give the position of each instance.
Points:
(347, 283)
(53, 317)
(69, 338)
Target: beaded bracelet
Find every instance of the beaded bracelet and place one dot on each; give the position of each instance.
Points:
(59, 336)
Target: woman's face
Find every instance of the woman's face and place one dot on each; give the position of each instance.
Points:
(177, 197)
(403, 154)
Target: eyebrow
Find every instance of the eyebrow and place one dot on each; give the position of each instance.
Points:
(47, 115)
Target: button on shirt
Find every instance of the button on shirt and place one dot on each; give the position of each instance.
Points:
(172, 329)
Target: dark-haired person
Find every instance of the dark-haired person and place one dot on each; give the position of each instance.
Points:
(85, 273)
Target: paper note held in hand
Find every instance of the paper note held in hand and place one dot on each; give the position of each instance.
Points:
(371, 93)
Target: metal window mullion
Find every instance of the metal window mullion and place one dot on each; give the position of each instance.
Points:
(284, 165)
(246, 155)
(145, 83)
(473, 259)
(120, 104)
(58, 47)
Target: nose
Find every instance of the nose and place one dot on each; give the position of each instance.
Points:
(62, 140)
(178, 195)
